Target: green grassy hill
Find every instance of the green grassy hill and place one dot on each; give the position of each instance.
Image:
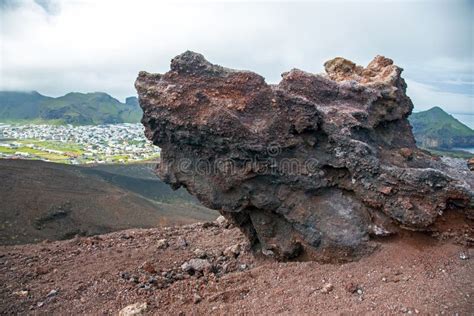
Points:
(437, 129)
(20, 105)
(72, 108)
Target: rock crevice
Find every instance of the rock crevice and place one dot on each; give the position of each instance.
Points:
(313, 166)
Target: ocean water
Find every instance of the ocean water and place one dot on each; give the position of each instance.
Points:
(466, 119)
(469, 149)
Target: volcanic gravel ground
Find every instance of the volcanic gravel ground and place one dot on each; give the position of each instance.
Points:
(103, 274)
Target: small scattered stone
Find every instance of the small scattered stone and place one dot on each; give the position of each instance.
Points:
(470, 164)
(200, 253)
(193, 265)
(125, 275)
(268, 252)
(162, 244)
(144, 286)
(385, 190)
(196, 299)
(178, 276)
(41, 270)
(21, 293)
(148, 267)
(222, 222)
(351, 287)
(328, 287)
(207, 225)
(406, 153)
(52, 293)
(360, 292)
(463, 256)
(232, 251)
(134, 309)
(181, 242)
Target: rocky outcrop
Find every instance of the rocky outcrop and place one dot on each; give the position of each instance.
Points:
(311, 167)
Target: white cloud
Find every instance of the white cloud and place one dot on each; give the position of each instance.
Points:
(425, 97)
(86, 45)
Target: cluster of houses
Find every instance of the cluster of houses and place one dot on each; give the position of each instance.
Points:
(111, 143)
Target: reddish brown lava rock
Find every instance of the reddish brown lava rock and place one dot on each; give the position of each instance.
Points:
(311, 167)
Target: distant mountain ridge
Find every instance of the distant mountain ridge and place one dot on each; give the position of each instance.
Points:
(73, 108)
(437, 129)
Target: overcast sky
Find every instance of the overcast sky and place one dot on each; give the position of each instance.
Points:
(56, 47)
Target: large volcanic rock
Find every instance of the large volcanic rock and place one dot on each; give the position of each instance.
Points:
(315, 165)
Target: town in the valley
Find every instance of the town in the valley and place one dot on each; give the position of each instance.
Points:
(99, 144)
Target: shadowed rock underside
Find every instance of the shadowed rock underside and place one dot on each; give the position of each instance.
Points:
(312, 167)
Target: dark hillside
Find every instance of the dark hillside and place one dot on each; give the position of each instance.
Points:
(41, 200)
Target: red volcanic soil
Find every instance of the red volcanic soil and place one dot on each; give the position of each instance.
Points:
(103, 274)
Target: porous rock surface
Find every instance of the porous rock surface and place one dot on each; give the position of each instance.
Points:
(312, 167)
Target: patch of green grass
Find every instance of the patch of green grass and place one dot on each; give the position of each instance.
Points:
(119, 157)
(37, 121)
(61, 146)
(34, 153)
(155, 156)
(5, 150)
(68, 151)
